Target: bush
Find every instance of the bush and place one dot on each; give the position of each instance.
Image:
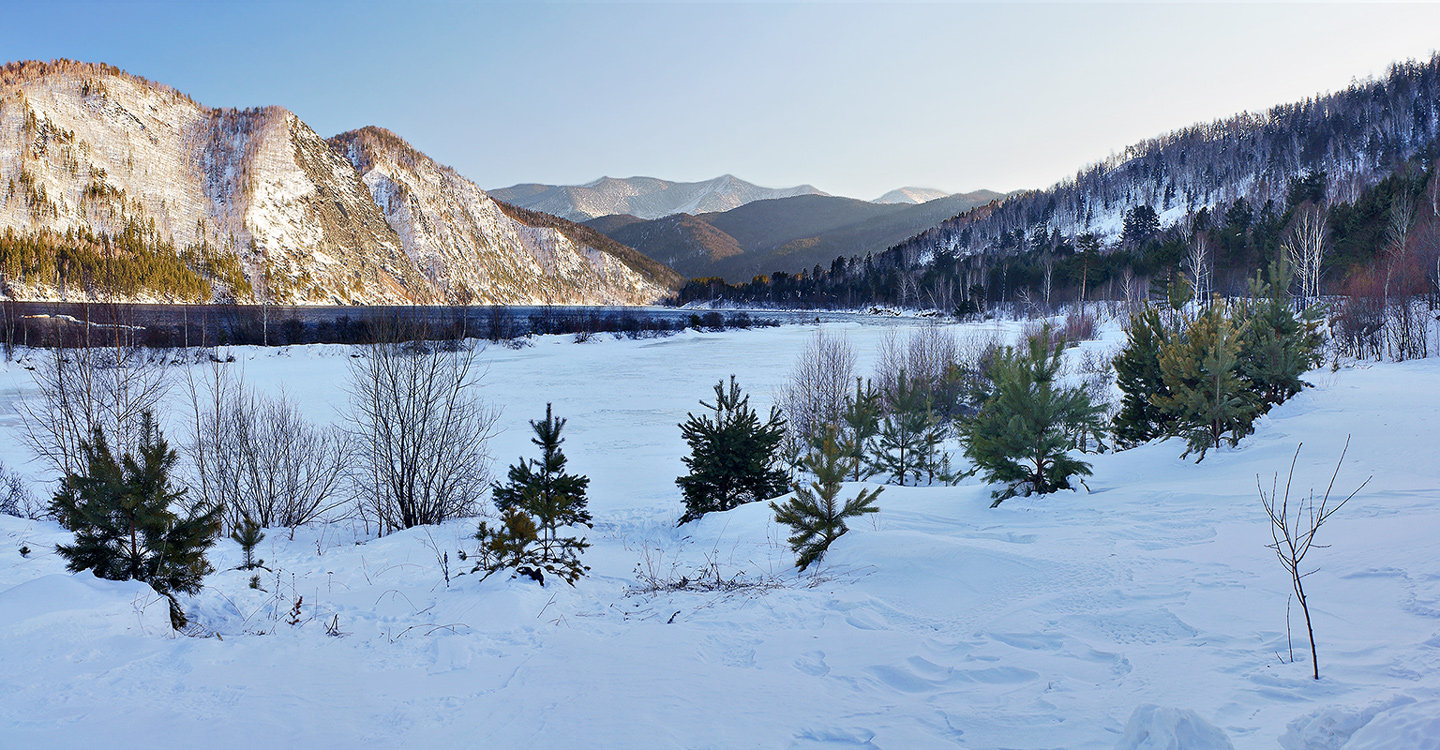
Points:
(15, 497)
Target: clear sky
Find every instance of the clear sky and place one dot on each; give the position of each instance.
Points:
(853, 98)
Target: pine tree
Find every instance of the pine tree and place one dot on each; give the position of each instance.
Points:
(1021, 436)
(124, 517)
(1205, 392)
(1137, 374)
(815, 514)
(550, 499)
(900, 451)
(248, 535)
(861, 425)
(732, 455)
(1277, 346)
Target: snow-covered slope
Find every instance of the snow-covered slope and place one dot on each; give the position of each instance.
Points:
(90, 148)
(911, 195)
(87, 147)
(1060, 621)
(470, 249)
(643, 197)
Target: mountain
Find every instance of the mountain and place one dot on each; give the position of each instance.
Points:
(253, 204)
(784, 234)
(912, 195)
(1350, 139)
(1228, 193)
(643, 197)
(470, 248)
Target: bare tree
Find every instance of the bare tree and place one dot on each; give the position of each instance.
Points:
(1306, 247)
(1197, 267)
(82, 389)
(1292, 533)
(814, 394)
(419, 432)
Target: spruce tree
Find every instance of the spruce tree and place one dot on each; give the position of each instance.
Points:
(1204, 390)
(1137, 374)
(131, 523)
(861, 425)
(815, 515)
(900, 451)
(1021, 437)
(551, 500)
(732, 455)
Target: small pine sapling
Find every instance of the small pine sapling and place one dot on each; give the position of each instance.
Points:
(732, 455)
(1204, 390)
(1140, 380)
(552, 500)
(1022, 436)
(123, 513)
(861, 425)
(816, 516)
(248, 535)
(508, 547)
(1278, 346)
(899, 452)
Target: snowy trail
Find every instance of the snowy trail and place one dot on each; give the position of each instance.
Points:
(1042, 623)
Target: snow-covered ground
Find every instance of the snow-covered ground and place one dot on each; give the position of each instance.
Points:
(1046, 622)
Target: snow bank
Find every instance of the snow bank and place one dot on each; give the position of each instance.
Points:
(75, 608)
(1154, 727)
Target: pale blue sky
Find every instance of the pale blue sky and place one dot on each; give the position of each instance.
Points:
(853, 98)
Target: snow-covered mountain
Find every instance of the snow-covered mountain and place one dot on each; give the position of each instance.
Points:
(470, 249)
(89, 148)
(642, 197)
(911, 195)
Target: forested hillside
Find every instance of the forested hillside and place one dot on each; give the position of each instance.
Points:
(1224, 196)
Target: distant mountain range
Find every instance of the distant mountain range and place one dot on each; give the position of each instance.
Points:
(783, 234)
(169, 199)
(642, 197)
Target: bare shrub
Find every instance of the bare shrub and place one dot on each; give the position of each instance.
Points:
(258, 456)
(1079, 326)
(15, 497)
(419, 432)
(84, 389)
(1359, 318)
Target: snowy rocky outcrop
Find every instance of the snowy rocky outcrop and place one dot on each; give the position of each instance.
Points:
(86, 147)
(468, 248)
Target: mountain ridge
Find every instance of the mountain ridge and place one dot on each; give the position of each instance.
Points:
(89, 148)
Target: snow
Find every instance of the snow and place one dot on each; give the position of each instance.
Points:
(1046, 622)
(1156, 728)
